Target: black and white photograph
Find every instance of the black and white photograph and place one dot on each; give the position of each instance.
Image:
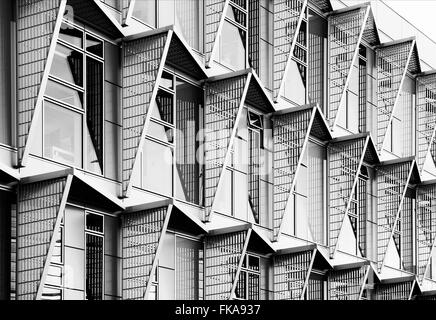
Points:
(220, 155)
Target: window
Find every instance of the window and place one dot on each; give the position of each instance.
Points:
(248, 287)
(255, 144)
(75, 119)
(186, 15)
(94, 239)
(180, 269)
(232, 41)
(170, 163)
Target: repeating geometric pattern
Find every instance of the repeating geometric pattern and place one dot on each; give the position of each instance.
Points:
(394, 291)
(39, 205)
(141, 234)
(345, 284)
(425, 226)
(392, 181)
(214, 13)
(141, 61)
(254, 34)
(290, 273)
(36, 20)
(425, 117)
(345, 160)
(287, 15)
(289, 132)
(391, 68)
(345, 30)
(223, 102)
(222, 256)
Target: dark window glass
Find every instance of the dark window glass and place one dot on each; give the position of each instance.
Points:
(94, 114)
(94, 45)
(71, 35)
(94, 267)
(167, 80)
(68, 65)
(164, 107)
(94, 222)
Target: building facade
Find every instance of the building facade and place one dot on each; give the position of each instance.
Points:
(213, 149)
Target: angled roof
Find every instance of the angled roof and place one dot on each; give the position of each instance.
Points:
(320, 129)
(371, 155)
(414, 66)
(416, 177)
(8, 174)
(323, 5)
(92, 12)
(256, 94)
(180, 54)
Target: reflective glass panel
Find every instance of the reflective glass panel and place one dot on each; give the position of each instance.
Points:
(64, 94)
(71, 35)
(62, 134)
(68, 65)
(94, 45)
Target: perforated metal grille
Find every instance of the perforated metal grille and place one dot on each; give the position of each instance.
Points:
(141, 233)
(290, 272)
(222, 256)
(394, 291)
(343, 39)
(36, 20)
(38, 208)
(214, 10)
(286, 17)
(289, 133)
(391, 68)
(425, 226)
(344, 167)
(141, 61)
(392, 181)
(426, 116)
(345, 284)
(223, 102)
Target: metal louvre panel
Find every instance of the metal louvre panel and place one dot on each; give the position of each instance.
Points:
(426, 117)
(254, 34)
(287, 15)
(345, 284)
(345, 162)
(141, 61)
(344, 40)
(394, 291)
(36, 21)
(141, 232)
(290, 273)
(223, 254)
(214, 13)
(39, 205)
(392, 182)
(289, 132)
(391, 68)
(223, 102)
(425, 226)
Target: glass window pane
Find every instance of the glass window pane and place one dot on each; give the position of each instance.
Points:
(54, 276)
(51, 294)
(112, 144)
(168, 259)
(145, 11)
(167, 80)
(158, 168)
(71, 35)
(94, 222)
(161, 132)
(163, 110)
(57, 252)
(166, 12)
(166, 284)
(62, 134)
(295, 84)
(232, 46)
(188, 21)
(68, 65)
(64, 94)
(94, 45)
